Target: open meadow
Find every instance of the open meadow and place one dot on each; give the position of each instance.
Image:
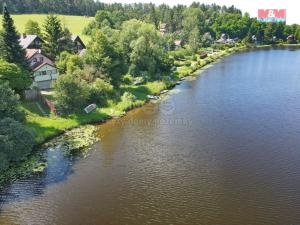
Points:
(74, 23)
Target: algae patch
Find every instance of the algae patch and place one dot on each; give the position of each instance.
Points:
(74, 142)
(77, 140)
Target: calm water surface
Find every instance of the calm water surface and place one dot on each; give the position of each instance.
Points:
(223, 149)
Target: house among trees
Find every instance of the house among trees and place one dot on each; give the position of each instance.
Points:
(291, 38)
(43, 69)
(28, 41)
(78, 43)
(178, 43)
(224, 39)
(164, 28)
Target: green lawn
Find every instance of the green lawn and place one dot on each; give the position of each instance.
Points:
(74, 23)
(45, 126)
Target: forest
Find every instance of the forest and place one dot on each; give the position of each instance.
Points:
(181, 19)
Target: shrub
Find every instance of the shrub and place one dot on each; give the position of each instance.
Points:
(100, 91)
(128, 97)
(5, 148)
(128, 79)
(16, 142)
(71, 93)
(182, 53)
(140, 80)
(17, 78)
(219, 46)
(9, 103)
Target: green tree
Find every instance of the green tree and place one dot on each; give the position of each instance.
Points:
(103, 18)
(10, 49)
(71, 93)
(100, 91)
(194, 40)
(193, 19)
(65, 43)
(9, 103)
(18, 78)
(67, 63)
(297, 33)
(16, 140)
(102, 54)
(53, 33)
(206, 39)
(269, 33)
(143, 48)
(32, 27)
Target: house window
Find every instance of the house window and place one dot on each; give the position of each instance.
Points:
(44, 72)
(34, 60)
(41, 59)
(53, 72)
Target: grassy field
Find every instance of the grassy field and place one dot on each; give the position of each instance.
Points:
(74, 23)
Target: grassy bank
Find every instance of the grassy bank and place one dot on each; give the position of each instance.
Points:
(48, 126)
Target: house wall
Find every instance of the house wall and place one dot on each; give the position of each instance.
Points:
(44, 76)
(39, 58)
(44, 85)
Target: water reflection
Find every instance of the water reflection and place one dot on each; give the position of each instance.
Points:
(58, 169)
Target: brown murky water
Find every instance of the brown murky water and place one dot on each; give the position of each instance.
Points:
(223, 149)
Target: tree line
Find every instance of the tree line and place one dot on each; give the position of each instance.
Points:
(185, 20)
(197, 23)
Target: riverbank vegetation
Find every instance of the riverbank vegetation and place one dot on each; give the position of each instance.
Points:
(135, 51)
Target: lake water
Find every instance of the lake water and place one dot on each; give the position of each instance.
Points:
(223, 149)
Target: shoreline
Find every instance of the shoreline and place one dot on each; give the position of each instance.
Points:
(193, 74)
(34, 160)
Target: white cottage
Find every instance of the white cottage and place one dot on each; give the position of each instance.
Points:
(43, 68)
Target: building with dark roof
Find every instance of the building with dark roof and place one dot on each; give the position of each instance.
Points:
(28, 41)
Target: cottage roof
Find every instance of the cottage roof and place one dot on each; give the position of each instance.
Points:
(78, 39)
(27, 39)
(42, 65)
(31, 52)
(178, 42)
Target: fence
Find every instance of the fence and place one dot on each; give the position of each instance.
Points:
(36, 95)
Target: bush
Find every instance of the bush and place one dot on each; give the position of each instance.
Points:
(194, 58)
(71, 93)
(100, 91)
(5, 148)
(128, 97)
(181, 53)
(9, 103)
(142, 79)
(128, 79)
(219, 46)
(17, 78)
(16, 142)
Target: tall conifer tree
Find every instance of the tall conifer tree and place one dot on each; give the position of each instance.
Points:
(53, 33)
(10, 48)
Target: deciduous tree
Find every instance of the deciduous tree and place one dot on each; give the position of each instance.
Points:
(32, 27)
